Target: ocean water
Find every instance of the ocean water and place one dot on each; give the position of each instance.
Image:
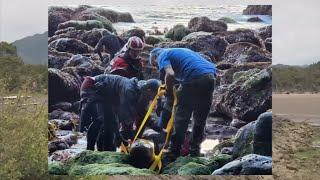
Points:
(149, 17)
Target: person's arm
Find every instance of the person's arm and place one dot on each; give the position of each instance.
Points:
(169, 79)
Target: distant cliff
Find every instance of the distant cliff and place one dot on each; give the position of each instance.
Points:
(33, 49)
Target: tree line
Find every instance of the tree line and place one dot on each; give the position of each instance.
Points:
(296, 78)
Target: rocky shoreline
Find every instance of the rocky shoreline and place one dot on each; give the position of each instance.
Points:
(241, 98)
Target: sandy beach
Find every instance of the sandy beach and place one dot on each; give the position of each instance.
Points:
(298, 107)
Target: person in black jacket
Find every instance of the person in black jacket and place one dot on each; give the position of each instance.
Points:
(108, 100)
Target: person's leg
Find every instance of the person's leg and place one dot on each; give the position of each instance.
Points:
(109, 129)
(96, 125)
(85, 116)
(203, 95)
(181, 120)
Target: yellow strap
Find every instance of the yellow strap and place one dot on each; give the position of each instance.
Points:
(161, 91)
(157, 162)
(123, 148)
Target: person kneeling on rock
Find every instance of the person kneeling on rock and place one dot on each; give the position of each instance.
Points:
(108, 100)
(196, 77)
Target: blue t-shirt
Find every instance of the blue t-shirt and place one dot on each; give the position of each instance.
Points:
(185, 63)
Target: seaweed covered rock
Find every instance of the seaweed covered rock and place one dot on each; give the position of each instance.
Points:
(194, 35)
(265, 32)
(192, 168)
(241, 35)
(258, 10)
(174, 167)
(152, 40)
(57, 169)
(239, 53)
(113, 16)
(248, 96)
(133, 32)
(243, 144)
(90, 37)
(96, 157)
(212, 46)
(57, 15)
(70, 45)
(207, 25)
(107, 169)
(227, 78)
(81, 25)
(251, 164)
(177, 32)
(60, 114)
(220, 160)
(57, 59)
(62, 87)
(227, 20)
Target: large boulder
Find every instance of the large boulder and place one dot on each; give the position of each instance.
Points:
(98, 163)
(239, 53)
(209, 45)
(70, 45)
(258, 10)
(227, 78)
(57, 15)
(194, 35)
(107, 24)
(265, 32)
(262, 142)
(251, 164)
(207, 25)
(62, 87)
(240, 35)
(177, 32)
(248, 96)
(244, 140)
(109, 14)
(81, 62)
(81, 25)
(90, 37)
(63, 115)
(57, 59)
(133, 32)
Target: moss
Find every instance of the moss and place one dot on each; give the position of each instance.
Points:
(108, 169)
(152, 40)
(96, 157)
(221, 159)
(177, 32)
(225, 143)
(244, 75)
(255, 79)
(173, 167)
(193, 168)
(57, 169)
(227, 20)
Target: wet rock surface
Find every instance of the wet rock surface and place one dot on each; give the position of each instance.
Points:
(207, 25)
(250, 164)
(258, 10)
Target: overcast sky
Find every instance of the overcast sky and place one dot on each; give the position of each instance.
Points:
(296, 23)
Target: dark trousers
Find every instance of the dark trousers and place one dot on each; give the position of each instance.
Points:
(102, 120)
(193, 98)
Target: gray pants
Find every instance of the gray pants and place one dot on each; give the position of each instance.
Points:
(194, 97)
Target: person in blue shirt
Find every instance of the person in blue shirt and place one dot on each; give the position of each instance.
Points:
(196, 77)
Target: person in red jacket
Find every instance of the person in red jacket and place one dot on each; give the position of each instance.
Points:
(128, 63)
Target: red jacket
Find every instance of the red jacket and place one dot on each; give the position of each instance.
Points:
(126, 67)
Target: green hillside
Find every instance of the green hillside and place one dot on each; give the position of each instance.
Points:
(296, 78)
